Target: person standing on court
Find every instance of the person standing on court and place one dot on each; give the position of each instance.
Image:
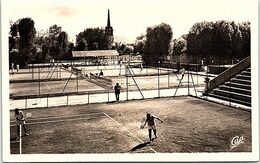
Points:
(20, 120)
(12, 69)
(101, 73)
(117, 91)
(17, 67)
(150, 120)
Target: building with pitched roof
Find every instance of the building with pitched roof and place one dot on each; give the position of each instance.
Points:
(97, 57)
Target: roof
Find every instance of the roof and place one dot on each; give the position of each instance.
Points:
(95, 53)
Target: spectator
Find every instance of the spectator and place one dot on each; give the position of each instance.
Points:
(101, 73)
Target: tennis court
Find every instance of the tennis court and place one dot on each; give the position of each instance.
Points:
(50, 87)
(56, 80)
(190, 125)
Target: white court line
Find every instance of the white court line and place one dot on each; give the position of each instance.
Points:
(47, 86)
(128, 131)
(12, 142)
(55, 121)
(56, 117)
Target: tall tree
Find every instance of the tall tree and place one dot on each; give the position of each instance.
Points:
(54, 31)
(26, 42)
(219, 40)
(94, 38)
(14, 43)
(199, 40)
(157, 43)
(246, 37)
(56, 44)
(63, 43)
(140, 44)
(13, 36)
(179, 45)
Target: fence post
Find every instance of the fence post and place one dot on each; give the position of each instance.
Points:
(26, 103)
(77, 82)
(67, 100)
(20, 139)
(60, 72)
(88, 97)
(47, 101)
(39, 75)
(168, 77)
(32, 71)
(127, 84)
(158, 79)
(108, 95)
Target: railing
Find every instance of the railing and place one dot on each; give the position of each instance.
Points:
(83, 98)
(228, 74)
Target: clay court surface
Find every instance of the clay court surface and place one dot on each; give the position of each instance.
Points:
(190, 125)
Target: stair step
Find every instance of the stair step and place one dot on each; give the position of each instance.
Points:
(229, 99)
(234, 95)
(235, 89)
(237, 85)
(243, 77)
(246, 73)
(241, 81)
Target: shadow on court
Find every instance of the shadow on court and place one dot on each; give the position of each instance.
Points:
(142, 145)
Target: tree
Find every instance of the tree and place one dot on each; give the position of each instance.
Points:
(139, 45)
(157, 43)
(200, 40)
(179, 45)
(52, 39)
(13, 38)
(63, 43)
(56, 44)
(219, 40)
(69, 54)
(223, 32)
(93, 38)
(246, 37)
(54, 31)
(39, 42)
(26, 42)
(82, 45)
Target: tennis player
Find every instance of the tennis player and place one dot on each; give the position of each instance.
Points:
(150, 120)
(20, 120)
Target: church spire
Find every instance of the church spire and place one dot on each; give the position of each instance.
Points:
(108, 19)
(109, 31)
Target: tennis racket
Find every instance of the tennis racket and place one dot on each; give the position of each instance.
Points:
(27, 115)
(142, 126)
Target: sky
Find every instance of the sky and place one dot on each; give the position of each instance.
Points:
(129, 18)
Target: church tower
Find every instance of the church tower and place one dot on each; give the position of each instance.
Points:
(109, 30)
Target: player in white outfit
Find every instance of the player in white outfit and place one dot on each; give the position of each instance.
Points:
(150, 120)
(20, 120)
